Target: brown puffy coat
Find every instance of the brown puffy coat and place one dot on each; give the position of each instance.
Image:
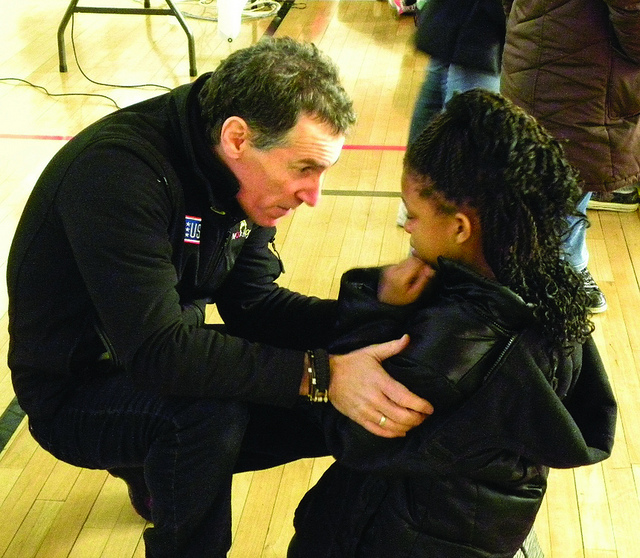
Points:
(575, 66)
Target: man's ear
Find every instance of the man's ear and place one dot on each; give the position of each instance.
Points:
(464, 227)
(234, 137)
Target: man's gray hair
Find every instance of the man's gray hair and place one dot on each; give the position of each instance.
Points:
(270, 85)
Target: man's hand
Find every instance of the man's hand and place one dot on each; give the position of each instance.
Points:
(403, 283)
(363, 391)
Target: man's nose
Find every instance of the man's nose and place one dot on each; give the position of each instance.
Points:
(310, 194)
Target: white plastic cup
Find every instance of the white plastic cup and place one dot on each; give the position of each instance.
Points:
(230, 18)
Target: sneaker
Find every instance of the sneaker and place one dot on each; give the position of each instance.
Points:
(597, 301)
(615, 201)
(403, 6)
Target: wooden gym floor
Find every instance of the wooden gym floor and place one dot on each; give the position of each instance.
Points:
(50, 509)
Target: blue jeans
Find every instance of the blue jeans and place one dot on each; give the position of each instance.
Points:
(574, 244)
(185, 451)
(441, 82)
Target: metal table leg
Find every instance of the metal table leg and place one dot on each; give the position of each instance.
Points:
(147, 10)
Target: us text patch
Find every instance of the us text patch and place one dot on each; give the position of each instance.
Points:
(192, 227)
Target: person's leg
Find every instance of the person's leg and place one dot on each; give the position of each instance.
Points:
(275, 436)
(576, 254)
(574, 245)
(430, 99)
(187, 449)
(461, 79)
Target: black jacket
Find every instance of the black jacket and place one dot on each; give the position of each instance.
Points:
(468, 33)
(130, 230)
(469, 481)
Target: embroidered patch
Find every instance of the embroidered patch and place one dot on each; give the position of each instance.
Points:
(192, 227)
(242, 232)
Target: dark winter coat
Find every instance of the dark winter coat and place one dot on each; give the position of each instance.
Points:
(469, 481)
(130, 230)
(575, 66)
(468, 33)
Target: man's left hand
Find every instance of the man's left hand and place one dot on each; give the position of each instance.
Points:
(363, 391)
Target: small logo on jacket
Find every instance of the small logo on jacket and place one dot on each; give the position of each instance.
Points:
(192, 226)
(242, 232)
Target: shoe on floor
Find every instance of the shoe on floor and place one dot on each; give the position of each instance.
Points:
(403, 6)
(615, 201)
(597, 301)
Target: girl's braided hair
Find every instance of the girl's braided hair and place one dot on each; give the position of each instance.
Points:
(485, 152)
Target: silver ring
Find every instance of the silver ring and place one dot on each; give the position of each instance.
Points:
(382, 420)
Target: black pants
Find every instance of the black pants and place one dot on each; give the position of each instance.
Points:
(184, 450)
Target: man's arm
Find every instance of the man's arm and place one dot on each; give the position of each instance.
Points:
(116, 225)
(253, 306)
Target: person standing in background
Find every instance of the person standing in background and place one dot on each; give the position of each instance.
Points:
(575, 66)
(464, 40)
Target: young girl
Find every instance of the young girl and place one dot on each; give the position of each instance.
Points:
(500, 345)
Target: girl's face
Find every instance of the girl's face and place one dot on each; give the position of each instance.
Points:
(433, 232)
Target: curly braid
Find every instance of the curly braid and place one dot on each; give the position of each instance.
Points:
(485, 152)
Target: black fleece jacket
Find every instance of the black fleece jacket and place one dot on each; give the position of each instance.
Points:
(131, 229)
(468, 482)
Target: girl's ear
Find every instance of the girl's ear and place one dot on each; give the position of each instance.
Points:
(464, 227)
(234, 137)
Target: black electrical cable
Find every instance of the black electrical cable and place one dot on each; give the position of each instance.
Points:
(284, 8)
(75, 56)
(49, 94)
(99, 95)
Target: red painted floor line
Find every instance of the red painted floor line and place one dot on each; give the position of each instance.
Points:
(67, 138)
(35, 137)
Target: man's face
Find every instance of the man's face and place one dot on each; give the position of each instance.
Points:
(274, 182)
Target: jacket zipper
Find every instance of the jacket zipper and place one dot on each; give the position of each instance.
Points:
(215, 261)
(272, 242)
(500, 358)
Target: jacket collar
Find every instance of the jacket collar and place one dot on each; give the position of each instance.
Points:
(210, 173)
(503, 306)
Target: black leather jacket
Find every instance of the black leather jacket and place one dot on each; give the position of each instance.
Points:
(469, 481)
(130, 230)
